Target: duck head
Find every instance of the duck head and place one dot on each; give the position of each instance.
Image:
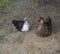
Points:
(25, 19)
(40, 20)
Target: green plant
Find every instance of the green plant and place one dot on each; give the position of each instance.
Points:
(4, 4)
(1, 37)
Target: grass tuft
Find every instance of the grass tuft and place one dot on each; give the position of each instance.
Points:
(4, 4)
(1, 37)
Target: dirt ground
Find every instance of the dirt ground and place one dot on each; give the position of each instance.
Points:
(16, 42)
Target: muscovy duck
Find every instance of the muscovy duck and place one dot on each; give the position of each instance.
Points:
(43, 27)
(22, 25)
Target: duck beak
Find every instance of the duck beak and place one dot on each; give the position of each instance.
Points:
(36, 22)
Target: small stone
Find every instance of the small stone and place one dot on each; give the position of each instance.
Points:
(39, 48)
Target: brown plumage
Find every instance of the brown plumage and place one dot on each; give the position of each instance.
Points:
(44, 27)
(49, 24)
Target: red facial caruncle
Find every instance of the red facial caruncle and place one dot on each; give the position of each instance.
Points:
(39, 19)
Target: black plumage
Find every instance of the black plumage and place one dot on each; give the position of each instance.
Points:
(18, 24)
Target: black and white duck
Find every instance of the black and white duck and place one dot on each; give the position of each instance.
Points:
(22, 25)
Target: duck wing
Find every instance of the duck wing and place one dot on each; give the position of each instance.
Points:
(18, 24)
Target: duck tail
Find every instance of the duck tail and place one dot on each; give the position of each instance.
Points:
(14, 21)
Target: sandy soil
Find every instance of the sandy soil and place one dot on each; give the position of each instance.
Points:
(16, 42)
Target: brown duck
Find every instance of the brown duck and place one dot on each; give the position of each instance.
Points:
(44, 27)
